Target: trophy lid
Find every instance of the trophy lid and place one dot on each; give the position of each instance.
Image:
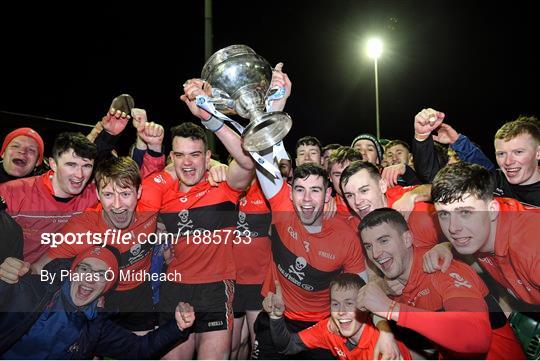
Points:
(222, 55)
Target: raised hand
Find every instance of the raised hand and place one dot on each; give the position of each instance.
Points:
(152, 134)
(446, 134)
(273, 303)
(193, 88)
(426, 122)
(115, 121)
(280, 80)
(12, 269)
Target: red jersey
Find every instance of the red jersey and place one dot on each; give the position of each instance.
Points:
(304, 263)
(135, 256)
(31, 203)
(515, 262)
(320, 336)
(203, 223)
(252, 255)
(342, 207)
(463, 330)
(422, 221)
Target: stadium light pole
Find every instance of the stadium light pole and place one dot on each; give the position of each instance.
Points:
(374, 51)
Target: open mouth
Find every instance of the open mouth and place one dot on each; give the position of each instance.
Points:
(345, 324)
(385, 263)
(307, 211)
(512, 172)
(364, 210)
(119, 216)
(76, 183)
(188, 172)
(84, 292)
(19, 162)
(462, 241)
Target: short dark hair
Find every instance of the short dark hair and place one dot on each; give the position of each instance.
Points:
(384, 215)
(305, 170)
(308, 140)
(81, 146)
(456, 180)
(523, 124)
(342, 155)
(122, 171)
(189, 130)
(347, 281)
(395, 142)
(356, 167)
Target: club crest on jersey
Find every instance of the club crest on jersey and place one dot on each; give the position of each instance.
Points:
(159, 179)
(299, 265)
(243, 202)
(185, 224)
(135, 249)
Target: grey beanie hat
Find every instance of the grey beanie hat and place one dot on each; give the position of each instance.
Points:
(378, 146)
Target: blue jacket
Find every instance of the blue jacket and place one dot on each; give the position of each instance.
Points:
(21, 305)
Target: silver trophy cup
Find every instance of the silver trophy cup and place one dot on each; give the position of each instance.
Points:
(238, 75)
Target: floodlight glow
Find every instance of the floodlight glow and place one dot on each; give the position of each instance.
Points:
(374, 48)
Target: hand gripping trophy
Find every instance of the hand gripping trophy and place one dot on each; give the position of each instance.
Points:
(241, 78)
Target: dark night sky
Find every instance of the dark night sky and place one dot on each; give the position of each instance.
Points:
(472, 60)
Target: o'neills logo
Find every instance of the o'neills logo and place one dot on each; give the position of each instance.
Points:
(327, 255)
(215, 324)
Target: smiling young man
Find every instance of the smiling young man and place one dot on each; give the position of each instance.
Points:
(497, 231)
(308, 251)
(22, 151)
(118, 184)
(308, 150)
(203, 219)
(348, 333)
(365, 191)
(517, 150)
(60, 319)
(369, 147)
(45, 203)
(471, 325)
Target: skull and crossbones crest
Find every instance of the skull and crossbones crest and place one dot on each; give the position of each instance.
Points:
(242, 225)
(135, 249)
(185, 222)
(298, 266)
